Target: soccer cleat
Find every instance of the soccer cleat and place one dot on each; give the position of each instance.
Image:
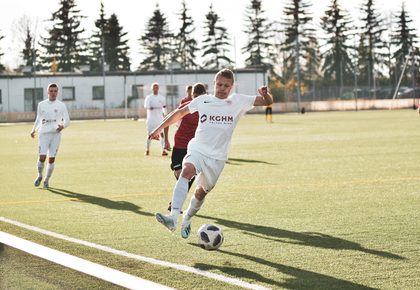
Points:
(146, 152)
(45, 184)
(167, 221)
(164, 153)
(186, 230)
(38, 181)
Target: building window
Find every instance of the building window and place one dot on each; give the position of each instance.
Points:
(31, 99)
(68, 94)
(172, 90)
(98, 92)
(138, 91)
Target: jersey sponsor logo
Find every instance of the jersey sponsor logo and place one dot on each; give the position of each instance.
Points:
(207, 102)
(216, 119)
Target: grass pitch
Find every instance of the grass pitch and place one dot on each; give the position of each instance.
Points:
(315, 201)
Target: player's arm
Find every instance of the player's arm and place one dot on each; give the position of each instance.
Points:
(37, 122)
(265, 98)
(66, 120)
(170, 119)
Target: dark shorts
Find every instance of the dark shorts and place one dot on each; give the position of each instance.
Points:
(177, 157)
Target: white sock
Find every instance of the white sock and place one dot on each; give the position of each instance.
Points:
(178, 197)
(148, 144)
(40, 166)
(162, 142)
(50, 170)
(193, 208)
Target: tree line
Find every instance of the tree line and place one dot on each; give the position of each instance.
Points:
(290, 48)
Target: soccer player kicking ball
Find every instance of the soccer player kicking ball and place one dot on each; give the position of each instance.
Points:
(207, 151)
(51, 118)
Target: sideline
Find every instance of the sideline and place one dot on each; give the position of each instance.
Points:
(189, 269)
(84, 266)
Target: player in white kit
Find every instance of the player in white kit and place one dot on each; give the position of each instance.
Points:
(207, 151)
(155, 104)
(51, 118)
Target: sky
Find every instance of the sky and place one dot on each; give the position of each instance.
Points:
(133, 16)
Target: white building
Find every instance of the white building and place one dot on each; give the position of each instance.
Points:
(123, 94)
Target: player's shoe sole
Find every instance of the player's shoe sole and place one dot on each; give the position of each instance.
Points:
(38, 181)
(186, 230)
(166, 221)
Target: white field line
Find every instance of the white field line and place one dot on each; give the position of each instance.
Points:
(99, 271)
(189, 269)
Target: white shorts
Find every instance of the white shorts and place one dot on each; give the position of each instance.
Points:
(208, 169)
(48, 143)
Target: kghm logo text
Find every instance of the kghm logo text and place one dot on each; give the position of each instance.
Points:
(215, 119)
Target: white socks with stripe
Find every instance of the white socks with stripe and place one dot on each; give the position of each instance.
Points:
(178, 198)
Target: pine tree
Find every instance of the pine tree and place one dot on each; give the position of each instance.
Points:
(186, 45)
(116, 49)
(259, 32)
(372, 29)
(404, 40)
(28, 52)
(95, 45)
(156, 43)
(1, 54)
(299, 36)
(337, 62)
(215, 43)
(64, 42)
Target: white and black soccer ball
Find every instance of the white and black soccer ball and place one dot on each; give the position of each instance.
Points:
(210, 237)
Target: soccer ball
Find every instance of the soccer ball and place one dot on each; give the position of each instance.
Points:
(210, 237)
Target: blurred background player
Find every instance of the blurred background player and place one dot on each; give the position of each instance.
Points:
(155, 104)
(51, 118)
(185, 131)
(269, 113)
(207, 151)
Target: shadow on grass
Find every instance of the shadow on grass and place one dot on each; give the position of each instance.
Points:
(107, 203)
(300, 279)
(311, 239)
(238, 161)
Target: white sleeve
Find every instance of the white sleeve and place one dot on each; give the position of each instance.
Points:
(37, 122)
(66, 117)
(146, 102)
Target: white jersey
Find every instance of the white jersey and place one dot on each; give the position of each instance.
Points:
(49, 115)
(217, 120)
(156, 108)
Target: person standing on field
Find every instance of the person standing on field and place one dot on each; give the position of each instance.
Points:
(51, 118)
(207, 151)
(185, 132)
(155, 104)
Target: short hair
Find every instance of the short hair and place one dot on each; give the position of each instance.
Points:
(188, 87)
(226, 73)
(154, 84)
(199, 89)
(52, 85)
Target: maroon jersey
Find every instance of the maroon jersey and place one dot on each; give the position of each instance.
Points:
(186, 129)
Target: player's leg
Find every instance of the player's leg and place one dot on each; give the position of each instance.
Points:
(166, 138)
(162, 144)
(52, 153)
(42, 153)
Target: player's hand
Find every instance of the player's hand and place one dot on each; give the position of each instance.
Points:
(155, 135)
(33, 134)
(59, 128)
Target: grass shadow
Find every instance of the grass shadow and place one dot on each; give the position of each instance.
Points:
(238, 161)
(299, 279)
(311, 239)
(103, 202)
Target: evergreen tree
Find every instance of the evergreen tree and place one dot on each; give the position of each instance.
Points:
(116, 49)
(186, 45)
(64, 42)
(28, 52)
(372, 29)
(1, 54)
(299, 36)
(337, 63)
(214, 45)
(156, 43)
(259, 32)
(95, 46)
(404, 40)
